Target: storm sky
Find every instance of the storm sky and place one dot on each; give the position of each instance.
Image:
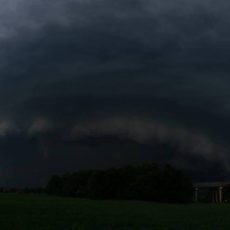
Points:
(103, 83)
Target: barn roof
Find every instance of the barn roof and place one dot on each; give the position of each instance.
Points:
(212, 184)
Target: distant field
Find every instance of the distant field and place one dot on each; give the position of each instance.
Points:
(33, 212)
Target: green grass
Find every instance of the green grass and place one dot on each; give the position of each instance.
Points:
(33, 212)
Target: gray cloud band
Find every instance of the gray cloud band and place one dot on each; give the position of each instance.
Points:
(146, 131)
(74, 62)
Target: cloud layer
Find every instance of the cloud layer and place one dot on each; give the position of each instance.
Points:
(141, 69)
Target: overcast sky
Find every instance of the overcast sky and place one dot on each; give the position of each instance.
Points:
(101, 83)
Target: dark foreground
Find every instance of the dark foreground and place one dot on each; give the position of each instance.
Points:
(33, 212)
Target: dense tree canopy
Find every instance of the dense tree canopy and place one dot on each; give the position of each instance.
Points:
(144, 182)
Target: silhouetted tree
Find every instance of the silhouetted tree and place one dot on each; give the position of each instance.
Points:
(144, 182)
(55, 186)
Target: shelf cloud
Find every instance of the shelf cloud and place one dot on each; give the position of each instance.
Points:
(141, 70)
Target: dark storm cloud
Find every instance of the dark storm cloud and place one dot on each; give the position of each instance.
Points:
(73, 63)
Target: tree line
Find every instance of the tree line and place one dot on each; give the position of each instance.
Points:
(148, 182)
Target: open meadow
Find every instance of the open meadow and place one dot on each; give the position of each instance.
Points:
(40, 212)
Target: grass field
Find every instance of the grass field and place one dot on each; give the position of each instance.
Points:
(33, 212)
